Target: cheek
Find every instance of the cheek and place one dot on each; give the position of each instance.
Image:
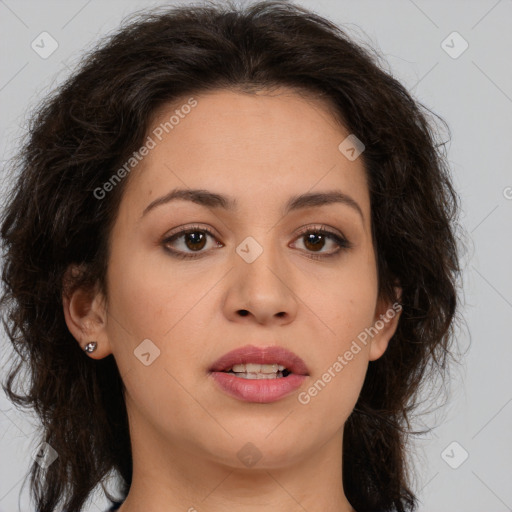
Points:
(151, 299)
(341, 366)
(146, 294)
(344, 300)
(147, 302)
(325, 405)
(346, 305)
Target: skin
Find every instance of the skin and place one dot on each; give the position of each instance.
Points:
(185, 432)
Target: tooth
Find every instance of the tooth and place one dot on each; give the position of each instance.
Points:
(253, 368)
(269, 368)
(257, 376)
(257, 368)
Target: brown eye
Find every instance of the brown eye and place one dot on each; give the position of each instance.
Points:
(314, 241)
(195, 240)
(189, 243)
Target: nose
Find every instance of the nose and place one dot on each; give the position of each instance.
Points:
(261, 291)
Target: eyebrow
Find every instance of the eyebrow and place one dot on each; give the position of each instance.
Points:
(214, 200)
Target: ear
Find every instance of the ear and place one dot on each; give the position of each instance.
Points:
(385, 323)
(85, 314)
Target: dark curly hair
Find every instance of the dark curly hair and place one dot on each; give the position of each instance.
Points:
(93, 122)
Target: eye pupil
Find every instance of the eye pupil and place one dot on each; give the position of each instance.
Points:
(310, 239)
(195, 238)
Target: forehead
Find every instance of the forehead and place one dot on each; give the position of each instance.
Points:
(260, 146)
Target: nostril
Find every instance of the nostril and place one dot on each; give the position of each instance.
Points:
(243, 312)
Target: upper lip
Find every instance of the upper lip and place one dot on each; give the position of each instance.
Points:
(261, 355)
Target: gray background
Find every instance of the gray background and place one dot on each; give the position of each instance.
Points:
(473, 92)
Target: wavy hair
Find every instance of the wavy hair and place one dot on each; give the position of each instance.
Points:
(88, 126)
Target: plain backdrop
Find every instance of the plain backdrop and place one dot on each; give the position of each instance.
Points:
(454, 56)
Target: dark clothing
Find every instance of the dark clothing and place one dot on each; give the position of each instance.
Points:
(115, 506)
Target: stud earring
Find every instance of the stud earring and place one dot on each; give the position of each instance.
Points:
(91, 346)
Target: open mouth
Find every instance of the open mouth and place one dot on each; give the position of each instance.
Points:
(259, 371)
(259, 374)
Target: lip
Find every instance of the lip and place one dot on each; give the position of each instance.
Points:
(259, 390)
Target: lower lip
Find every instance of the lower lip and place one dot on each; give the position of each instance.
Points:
(258, 390)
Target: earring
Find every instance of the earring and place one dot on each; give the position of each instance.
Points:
(91, 346)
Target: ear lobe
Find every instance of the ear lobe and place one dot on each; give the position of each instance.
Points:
(387, 316)
(85, 314)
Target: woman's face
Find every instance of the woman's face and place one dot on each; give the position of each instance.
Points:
(178, 303)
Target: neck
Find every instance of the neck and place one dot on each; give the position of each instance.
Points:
(177, 477)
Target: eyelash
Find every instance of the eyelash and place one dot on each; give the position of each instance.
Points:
(342, 242)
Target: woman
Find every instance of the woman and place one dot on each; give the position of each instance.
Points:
(230, 262)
